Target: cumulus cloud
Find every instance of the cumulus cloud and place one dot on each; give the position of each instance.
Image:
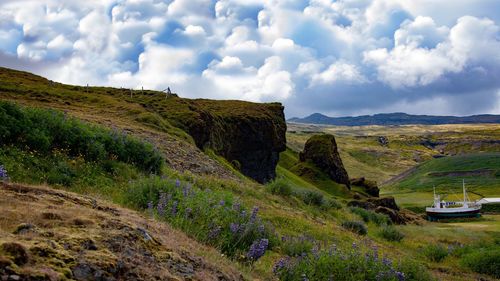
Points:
(336, 57)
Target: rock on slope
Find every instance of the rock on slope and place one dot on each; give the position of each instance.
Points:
(249, 135)
(48, 234)
(321, 150)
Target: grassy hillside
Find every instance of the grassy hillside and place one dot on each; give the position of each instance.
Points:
(295, 225)
(480, 171)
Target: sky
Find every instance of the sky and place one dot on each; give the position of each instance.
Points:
(345, 57)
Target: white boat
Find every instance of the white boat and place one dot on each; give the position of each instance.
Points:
(453, 209)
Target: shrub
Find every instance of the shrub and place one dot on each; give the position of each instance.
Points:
(311, 197)
(279, 187)
(486, 261)
(356, 264)
(367, 216)
(330, 203)
(390, 233)
(297, 246)
(43, 131)
(357, 227)
(210, 216)
(435, 253)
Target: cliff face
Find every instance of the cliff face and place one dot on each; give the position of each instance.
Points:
(321, 150)
(248, 135)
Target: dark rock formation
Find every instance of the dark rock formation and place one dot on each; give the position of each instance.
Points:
(370, 186)
(248, 135)
(388, 207)
(321, 150)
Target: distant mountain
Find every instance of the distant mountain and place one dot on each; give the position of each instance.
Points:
(394, 119)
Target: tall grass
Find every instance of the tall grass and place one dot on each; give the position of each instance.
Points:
(213, 217)
(355, 264)
(43, 131)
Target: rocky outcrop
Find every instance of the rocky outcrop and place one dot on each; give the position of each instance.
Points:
(388, 207)
(321, 150)
(370, 187)
(248, 135)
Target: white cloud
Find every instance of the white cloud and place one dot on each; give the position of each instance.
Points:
(316, 55)
(411, 63)
(339, 72)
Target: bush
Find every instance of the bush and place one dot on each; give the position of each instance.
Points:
(210, 216)
(279, 187)
(357, 227)
(370, 216)
(311, 197)
(390, 233)
(486, 261)
(42, 131)
(356, 264)
(330, 203)
(297, 246)
(435, 253)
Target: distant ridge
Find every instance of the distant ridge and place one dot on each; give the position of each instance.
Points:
(395, 119)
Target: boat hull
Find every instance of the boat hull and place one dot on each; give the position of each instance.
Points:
(433, 215)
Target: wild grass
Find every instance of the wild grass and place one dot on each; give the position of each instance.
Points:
(354, 264)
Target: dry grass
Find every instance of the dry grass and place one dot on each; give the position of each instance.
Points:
(66, 225)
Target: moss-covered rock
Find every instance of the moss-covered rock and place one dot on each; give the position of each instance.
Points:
(321, 150)
(369, 186)
(246, 133)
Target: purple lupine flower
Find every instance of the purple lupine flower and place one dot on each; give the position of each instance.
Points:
(375, 253)
(243, 213)
(234, 227)
(188, 212)
(354, 245)
(174, 208)
(214, 232)
(253, 216)
(3, 173)
(185, 190)
(162, 203)
(177, 183)
(400, 276)
(257, 249)
(222, 202)
(282, 263)
(386, 261)
(236, 207)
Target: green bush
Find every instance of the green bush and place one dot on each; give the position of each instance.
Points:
(330, 203)
(486, 261)
(390, 233)
(370, 216)
(210, 216)
(435, 253)
(42, 131)
(297, 246)
(353, 265)
(357, 227)
(279, 187)
(311, 197)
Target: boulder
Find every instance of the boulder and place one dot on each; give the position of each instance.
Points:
(387, 202)
(322, 151)
(387, 206)
(370, 186)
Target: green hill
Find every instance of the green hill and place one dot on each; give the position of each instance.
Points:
(293, 228)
